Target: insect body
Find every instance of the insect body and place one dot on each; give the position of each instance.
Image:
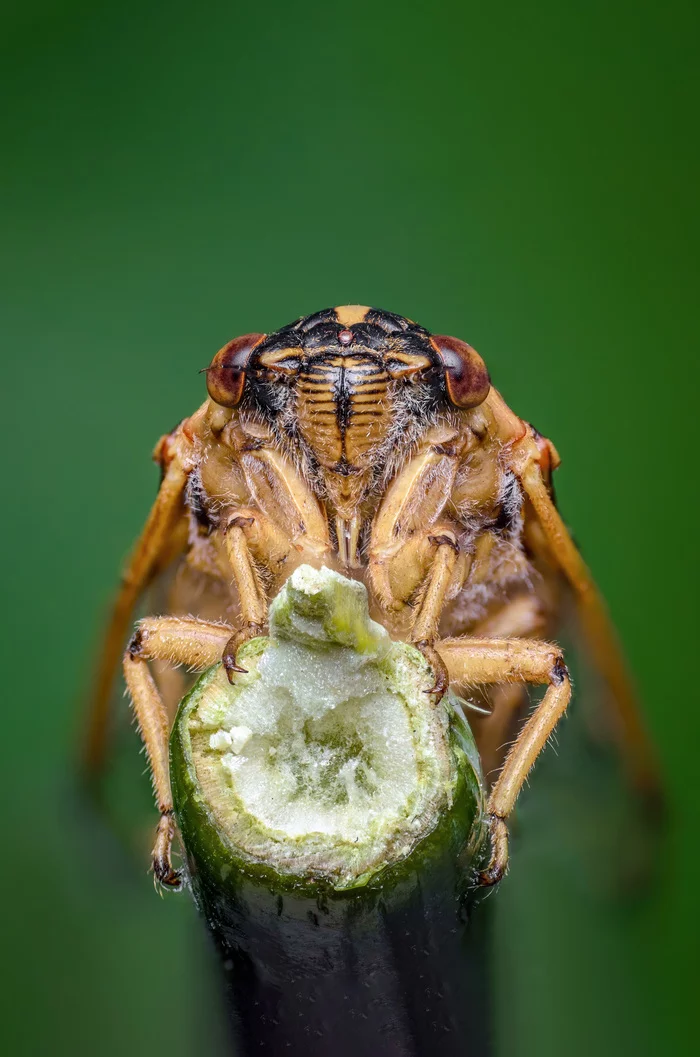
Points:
(355, 439)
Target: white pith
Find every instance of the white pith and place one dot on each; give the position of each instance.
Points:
(324, 758)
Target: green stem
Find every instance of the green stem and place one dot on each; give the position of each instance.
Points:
(331, 816)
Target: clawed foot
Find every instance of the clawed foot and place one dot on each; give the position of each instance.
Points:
(498, 863)
(164, 872)
(238, 639)
(438, 668)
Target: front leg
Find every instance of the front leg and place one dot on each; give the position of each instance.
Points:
(414, 560)
(261, 557)
(284, 526)
(252, 542)
(422, 575)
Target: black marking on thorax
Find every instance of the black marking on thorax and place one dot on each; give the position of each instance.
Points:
(508, 520)
(195, 497)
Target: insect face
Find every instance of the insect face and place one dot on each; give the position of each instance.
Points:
(346, 386)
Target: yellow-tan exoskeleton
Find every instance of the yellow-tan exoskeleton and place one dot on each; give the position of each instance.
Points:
(357, 440)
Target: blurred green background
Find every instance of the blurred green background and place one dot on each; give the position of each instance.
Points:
(524, 176)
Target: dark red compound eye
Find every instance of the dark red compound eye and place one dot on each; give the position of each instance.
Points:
(466, 379)
(226, 375)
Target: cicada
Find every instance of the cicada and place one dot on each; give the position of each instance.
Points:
(355, 439)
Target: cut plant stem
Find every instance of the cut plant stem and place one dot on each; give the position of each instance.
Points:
(331, 815)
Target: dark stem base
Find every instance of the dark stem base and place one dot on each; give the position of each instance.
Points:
(403, 977)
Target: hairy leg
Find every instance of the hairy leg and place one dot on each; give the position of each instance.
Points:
(495, 732)
(521, 617)
(254, 542)
(198, 644)
(422, 575)
(472, 661)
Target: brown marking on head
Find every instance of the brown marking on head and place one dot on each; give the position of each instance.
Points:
(226, 374)
(347, 315)
(467, 380)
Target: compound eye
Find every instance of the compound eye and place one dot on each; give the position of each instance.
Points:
(226, 375)
(466, 379)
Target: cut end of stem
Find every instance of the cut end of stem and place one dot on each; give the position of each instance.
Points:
(327, 760)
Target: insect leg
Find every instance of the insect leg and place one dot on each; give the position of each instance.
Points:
(438, 581)
(596, 624)
(198, 644)
(414, 559)
(428, 569)
(522, 617)
(252, 538)
(494, 732)
(476, 661)
(153, 548)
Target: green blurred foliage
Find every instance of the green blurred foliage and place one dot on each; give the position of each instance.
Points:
(524, 176)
